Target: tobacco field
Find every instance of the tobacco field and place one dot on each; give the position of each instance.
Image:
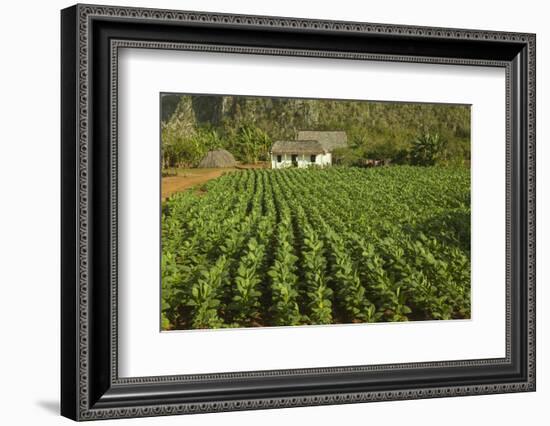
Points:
(290, 247)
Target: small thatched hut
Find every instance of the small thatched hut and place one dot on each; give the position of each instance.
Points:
(218, 158)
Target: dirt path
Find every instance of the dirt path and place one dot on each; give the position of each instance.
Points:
(189, 178)
(186, 178)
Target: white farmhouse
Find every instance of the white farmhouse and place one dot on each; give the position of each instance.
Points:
(298, 154)
(312, 148)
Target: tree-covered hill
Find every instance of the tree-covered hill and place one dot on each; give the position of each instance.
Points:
(247, 126)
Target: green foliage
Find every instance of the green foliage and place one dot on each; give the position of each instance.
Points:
(318, 246)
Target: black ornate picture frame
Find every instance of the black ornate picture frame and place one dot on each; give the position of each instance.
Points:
(91, 387)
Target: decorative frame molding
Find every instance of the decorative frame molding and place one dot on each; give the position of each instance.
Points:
(91, 37)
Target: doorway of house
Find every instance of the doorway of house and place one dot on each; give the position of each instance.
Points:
(294, 161)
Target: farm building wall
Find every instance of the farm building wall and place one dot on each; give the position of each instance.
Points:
(303, 160)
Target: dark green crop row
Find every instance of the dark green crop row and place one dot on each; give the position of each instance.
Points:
(312, 246)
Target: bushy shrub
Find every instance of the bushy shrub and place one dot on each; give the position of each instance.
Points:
(188, 149)
(426, 149)
(348, 156)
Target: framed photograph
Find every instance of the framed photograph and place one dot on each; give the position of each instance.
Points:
(264, 212)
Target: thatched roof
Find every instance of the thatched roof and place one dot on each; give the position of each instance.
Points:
(297, 147)
(329, 140)
(218, 158)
